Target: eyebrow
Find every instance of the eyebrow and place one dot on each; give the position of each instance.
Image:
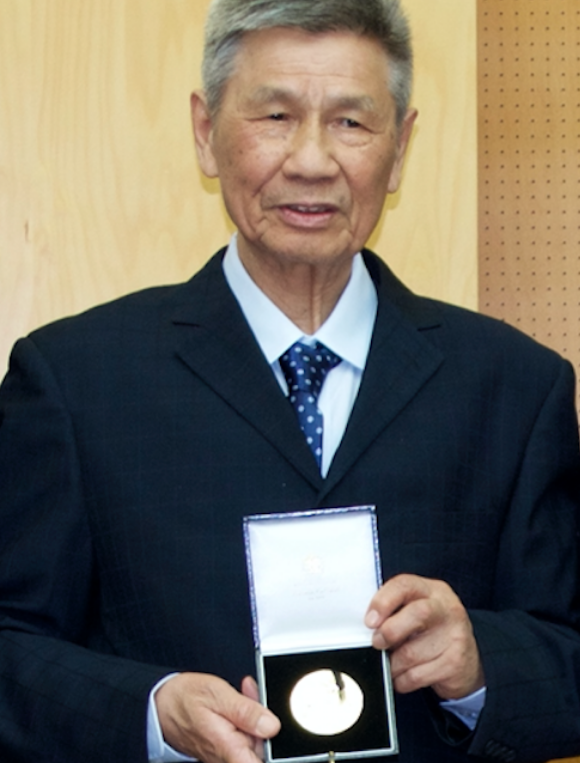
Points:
(266, 94)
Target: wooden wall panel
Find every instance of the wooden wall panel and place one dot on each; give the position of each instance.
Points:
(430, 232)
(99, 188)
(529, 167)
(97, 172)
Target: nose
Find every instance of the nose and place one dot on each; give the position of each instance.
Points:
(310, 153)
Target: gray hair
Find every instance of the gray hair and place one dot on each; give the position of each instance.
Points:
(382, 20)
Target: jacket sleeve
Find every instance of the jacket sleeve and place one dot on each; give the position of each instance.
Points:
(530, 644)
(62, 697)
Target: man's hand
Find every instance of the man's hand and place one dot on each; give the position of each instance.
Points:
(428, 633)
(204, 717)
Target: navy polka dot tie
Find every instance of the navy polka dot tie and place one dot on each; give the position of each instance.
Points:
(305, 369)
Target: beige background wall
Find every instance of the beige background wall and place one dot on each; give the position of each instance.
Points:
(99, 188)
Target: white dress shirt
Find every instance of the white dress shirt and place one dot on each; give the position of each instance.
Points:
(350, 340)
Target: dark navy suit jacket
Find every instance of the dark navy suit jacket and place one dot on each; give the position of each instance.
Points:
(135, 437)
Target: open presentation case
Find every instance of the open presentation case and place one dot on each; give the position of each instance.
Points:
(312, 575)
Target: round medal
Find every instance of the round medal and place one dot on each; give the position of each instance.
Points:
(326, 702)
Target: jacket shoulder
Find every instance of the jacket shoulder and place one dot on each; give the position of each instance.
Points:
(140, 311)
(457, 329)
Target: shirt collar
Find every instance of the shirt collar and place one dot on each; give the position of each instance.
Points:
(275, 332)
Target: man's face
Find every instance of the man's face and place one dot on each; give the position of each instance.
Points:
(305, 145)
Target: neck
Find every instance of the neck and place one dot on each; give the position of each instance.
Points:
(306, 293)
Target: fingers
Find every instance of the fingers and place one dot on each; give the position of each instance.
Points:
(250, 688)
(394, 595)
(204, 717)
(425, 627)
(443, 658)
(408, 605)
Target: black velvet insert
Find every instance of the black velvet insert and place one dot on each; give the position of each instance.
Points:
(364, 665)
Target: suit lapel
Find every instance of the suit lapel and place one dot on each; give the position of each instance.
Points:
(215, 341)
(401, 361)
(217, 344)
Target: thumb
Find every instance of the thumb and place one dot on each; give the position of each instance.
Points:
(248, 715)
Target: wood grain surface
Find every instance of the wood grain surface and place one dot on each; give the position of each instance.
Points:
(100, 193)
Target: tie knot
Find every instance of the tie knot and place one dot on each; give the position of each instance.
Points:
(305, 367)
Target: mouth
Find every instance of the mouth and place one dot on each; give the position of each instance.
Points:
(311, 209)
(308, 215)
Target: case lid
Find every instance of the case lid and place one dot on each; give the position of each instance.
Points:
(312, 575)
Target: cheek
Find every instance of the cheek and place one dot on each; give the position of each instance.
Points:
(382, 180)
(249, 166)
(369, 185)
(231, 147)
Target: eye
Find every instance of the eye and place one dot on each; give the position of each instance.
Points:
(350, 123)
(277, 116)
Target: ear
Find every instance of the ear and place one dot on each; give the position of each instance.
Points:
(405, 131)
(203, 134)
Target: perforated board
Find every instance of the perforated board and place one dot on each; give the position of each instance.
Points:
(529, 167)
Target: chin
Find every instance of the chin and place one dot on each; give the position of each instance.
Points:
(312, 250)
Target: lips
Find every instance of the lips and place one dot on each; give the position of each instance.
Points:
(307, 216)
(311, 209)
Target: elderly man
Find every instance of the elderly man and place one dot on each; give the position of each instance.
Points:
(135, 437)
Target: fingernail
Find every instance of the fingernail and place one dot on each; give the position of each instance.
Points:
(372, 618)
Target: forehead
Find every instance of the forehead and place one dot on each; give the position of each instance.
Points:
(340, 59)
